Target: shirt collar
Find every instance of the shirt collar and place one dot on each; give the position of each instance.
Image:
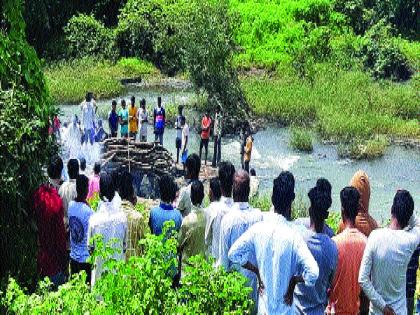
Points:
(166, 206)
(243, 206)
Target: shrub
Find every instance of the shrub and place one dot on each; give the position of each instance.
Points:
(300, 139)
(87, 37)
(334, 220)
(368, 149)
(136, 66)
(25, 144)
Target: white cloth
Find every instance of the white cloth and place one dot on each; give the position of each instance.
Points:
(184, 203)
(254, 186)
(218, 125)
(234, 224)
(88, 115)
(185, 134)
(111, 222)
(280, 254)
(67, 193)
(142, 115)
(214, 215)
(384, 267)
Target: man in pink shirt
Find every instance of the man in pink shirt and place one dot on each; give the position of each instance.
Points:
(205, 135)
(94, 180)
(345, 289)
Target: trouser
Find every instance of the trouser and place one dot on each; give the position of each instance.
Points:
(178, 143)
(89, 133)
(58, 279)
(217, 154)
(133, 135)
(246, 166)
(76, 267)
(159, 136)
(204, 143)
(114, 134)
(143, 138)
(410, 306)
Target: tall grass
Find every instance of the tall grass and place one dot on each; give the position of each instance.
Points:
(343, 105)
(68, 81)
(300, 139)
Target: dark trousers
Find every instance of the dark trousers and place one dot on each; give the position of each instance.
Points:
(204, 143)
(217, 153)
(133, 135)
(246, 166)
(159, 136)
(114, 134)
(76, 267)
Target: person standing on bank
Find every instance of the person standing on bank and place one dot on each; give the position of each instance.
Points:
(132, 116)
(205, 135)
(113, 119)
(184, 141)
(88, 119)
(217, 133)
(123, 116)
(159, 119)
(248, 150)
(142, 115)
(178, 127)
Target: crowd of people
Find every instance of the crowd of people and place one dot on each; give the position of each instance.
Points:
(292, 266)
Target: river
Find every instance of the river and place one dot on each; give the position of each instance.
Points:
(399, 168)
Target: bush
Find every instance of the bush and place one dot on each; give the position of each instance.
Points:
(134, 66)
(300, 139)
(25, 144)
(382, 56)
(368, 149)
(87, 37)
(143, 285)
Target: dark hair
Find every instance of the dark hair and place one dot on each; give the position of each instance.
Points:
(350, 197)
(82, 164)
(324, 187)
(226, 172)
(197, 193)
(252, 172)
(168, 189)
(320, 203)
(123, 102)
(182, 120)
(241, 186)
(283, 193)
(193, 165)
(82, 188)
(402, 207)
(143, 102)
(55, 168)
(133, 99)
(73, 168)
(97, 168)
(114, 103)
(159, 100)
(106, 187)
(215, 188)
(116, 177)
(126, 189)
(89, 96)
(180, 108)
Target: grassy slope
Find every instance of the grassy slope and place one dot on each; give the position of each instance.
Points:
(69, 81)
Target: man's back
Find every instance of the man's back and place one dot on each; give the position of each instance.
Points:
(345, 289)
(191, 238)
(387, 255)
(136, 228)
(160, 215)
(280, 253)
(67, 193)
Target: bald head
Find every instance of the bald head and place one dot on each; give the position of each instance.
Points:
(241, 186)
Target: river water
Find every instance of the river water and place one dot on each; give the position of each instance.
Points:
(399, 168)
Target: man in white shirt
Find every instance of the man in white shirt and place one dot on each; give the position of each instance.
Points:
(192, 165)
(110, 221)
(68, 190)
(88, 118)
(235, 223)
(142, 118)
(185, 135)
(217, 210)
(384, 265)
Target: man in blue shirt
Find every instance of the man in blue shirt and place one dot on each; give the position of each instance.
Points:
(313, 300)
(79, 215)
(165, 211)
(113, 120)
(159, 118)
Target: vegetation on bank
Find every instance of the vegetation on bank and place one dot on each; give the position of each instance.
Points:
(301, 140)
(68, 81)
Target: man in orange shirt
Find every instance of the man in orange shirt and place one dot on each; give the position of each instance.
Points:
(132, 119)
(345, 290)
(205, 135)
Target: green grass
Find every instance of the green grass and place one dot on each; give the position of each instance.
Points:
(300, 139)
(342, 105)
(68, 81)
(364, 149)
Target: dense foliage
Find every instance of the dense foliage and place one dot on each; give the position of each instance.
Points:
(143, 285)
(25, 145)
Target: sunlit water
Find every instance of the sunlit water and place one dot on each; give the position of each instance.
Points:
(399, 168)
